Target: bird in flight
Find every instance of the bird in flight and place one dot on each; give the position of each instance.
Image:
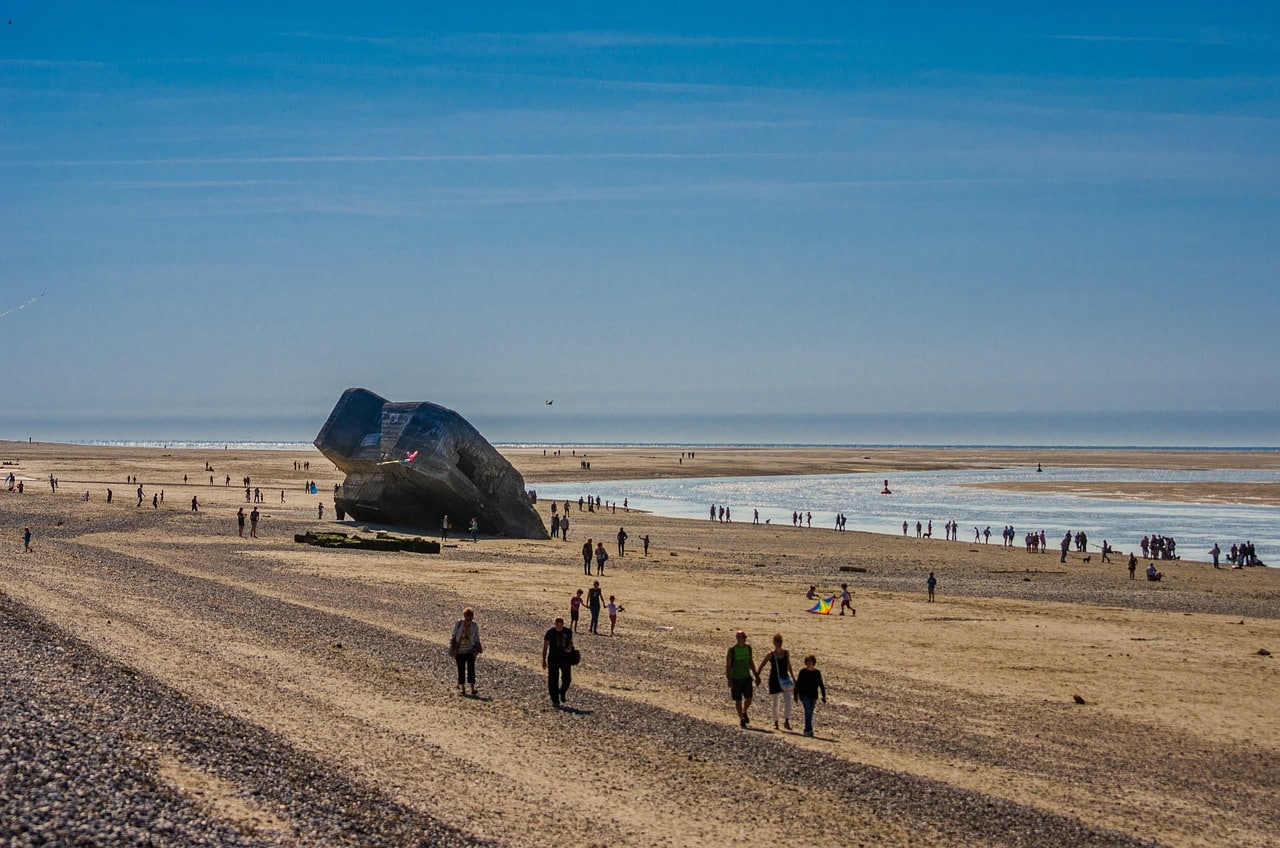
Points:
(550, 402)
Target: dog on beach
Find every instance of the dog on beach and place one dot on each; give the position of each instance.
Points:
(1086, 559)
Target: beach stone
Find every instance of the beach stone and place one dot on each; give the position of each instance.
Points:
(455, 472)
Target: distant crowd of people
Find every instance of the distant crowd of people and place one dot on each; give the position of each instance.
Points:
(1158, 547)
(1243, 554)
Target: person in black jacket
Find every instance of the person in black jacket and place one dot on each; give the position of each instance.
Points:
(808, 685)
(557, 646)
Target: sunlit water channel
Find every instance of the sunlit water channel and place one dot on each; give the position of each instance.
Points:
(939, 496)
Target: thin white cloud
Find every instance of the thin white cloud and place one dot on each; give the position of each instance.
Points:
(51, 63)
(564, 39)
(1217, 40)
(340, 159)
(183, 184)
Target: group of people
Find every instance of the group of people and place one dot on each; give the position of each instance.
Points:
(559, 524)
(785, 686)
(1242, 554)
(558, 655)
(594, 602)
(600, 555)
(473, 528)
(924, 530)
(846, 598)
(253, 522)
(593, 503)
(1158, 547)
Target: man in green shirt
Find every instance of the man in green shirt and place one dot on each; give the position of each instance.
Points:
(739, 669)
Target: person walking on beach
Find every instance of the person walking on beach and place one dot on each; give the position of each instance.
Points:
(846, 600)
(1215, 552)
(1133, 565)
(808, 685)
(1065, 545)
(738, 670)
(781, 680)
(464, 647)
(564, 524)
(253, 522)
(612, 609)
(622, 541)
(556, 647)
(575, 607)
(644, 540)
(932, 583)
(444, 528)
(26, 540)
(595, 598)
(475, 530)
(586, 557)
(195, 504)
(240, 522)
(601, 557)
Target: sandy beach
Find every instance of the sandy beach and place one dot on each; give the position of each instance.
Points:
(256, 691)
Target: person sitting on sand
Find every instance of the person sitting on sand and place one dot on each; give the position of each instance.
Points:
(812, 594)
(1152, 574)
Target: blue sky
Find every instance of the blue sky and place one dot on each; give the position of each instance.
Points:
(237, 210)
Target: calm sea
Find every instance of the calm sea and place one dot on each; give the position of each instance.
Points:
(560, 426)
(923, 496)
(957, 495)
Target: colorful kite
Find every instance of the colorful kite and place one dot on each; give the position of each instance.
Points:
(823, 607)
(410, 458)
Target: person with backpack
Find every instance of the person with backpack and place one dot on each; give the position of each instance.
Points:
(739, 670)
(558, 658)
(464, 647)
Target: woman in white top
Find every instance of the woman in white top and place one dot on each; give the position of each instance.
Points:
(464, 647)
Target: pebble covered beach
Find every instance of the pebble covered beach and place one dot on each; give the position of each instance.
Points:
(168, 682)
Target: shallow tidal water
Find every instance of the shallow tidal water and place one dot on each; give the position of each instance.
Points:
(945, 495)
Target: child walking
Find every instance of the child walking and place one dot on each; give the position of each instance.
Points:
(846, 600)
(613, 614)
(808, 685)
